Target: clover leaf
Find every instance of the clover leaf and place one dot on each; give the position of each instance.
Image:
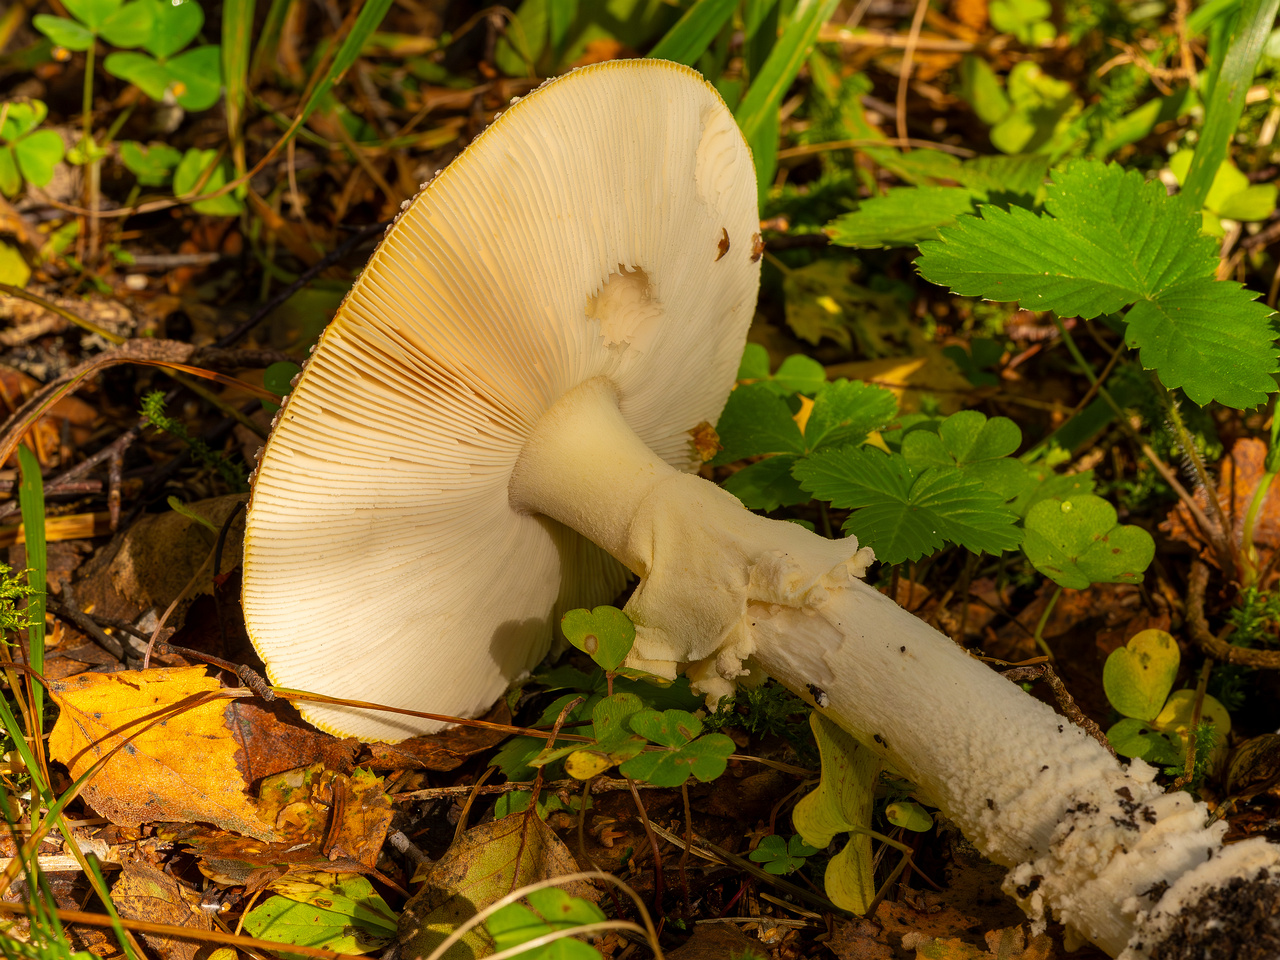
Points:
(781, 857)
(605, 634)
(25, 152)
(188, 175)
(1076, 542)
(194, 77)
(153, 164)
(687, 752)
(120, 24)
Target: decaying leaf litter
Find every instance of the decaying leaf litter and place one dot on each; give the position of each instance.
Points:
(222, 808)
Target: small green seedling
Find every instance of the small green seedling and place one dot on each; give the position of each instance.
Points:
(1137, 679)
(549, 910)
(909, 815)
(25, 152)
(781, 857)
(330, 911)
(1076, 542)
(192, 169)
(1028, 20)
(194, 77)
(153, 164)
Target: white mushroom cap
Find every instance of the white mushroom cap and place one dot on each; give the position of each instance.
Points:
(580, 236)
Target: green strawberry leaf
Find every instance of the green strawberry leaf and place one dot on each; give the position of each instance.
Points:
(1137, 677)
(1076, 542)
(605, 634)
(1108, 239)
(901, 217)
(767, 484)
(756, 421)
(903, 514)
(845, 412)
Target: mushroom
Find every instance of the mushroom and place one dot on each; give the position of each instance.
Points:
(502, 418)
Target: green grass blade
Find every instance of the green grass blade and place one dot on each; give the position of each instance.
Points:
(757, 115)
(237, 32)
(268, 40)
(1226, 101)
(689, 38)
(367, 21)
(31, 498)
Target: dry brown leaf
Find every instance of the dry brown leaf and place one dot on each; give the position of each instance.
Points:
(182, 768)
(443, 751)
(1240, 473)
(275, 739)
(715, 941)
(361, 814)
(144, 893)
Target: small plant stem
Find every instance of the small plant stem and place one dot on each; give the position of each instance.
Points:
(658, 885)
(1248, 554)
(825, 515)
(1197, 708)
(1215, 534)
(1044, 619)
(1188, 444)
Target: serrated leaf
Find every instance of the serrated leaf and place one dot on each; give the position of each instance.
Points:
(1108, 239)
(1137, 677)
(903, 515)
(767, 484)
(605, 634)
(845, 412)
(756, 421)
(800, 374)
(1076, 542)
(900, 218)
(552, 910)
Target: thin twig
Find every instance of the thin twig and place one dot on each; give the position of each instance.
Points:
(1214, 646)
(1066, 703)
(904, 71)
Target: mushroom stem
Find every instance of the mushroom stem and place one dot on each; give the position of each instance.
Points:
(1116, 859)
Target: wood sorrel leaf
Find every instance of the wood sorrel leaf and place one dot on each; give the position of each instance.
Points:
(605, 634)
(1137, 677)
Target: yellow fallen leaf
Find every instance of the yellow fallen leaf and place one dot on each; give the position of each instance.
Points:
(182, 768)
(911, 377)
